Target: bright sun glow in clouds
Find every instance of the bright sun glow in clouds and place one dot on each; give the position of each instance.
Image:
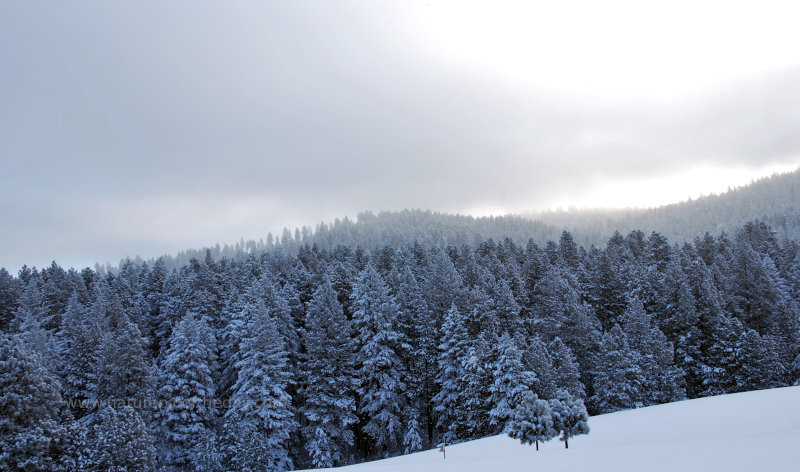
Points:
(646, 193)
(615, 50)
(663, 190)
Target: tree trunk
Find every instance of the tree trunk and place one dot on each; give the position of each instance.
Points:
(537, 444)
(566, 443)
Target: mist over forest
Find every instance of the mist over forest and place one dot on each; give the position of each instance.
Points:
(774, 200)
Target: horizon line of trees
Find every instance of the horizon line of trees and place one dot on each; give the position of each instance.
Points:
(326, 357)
(774, 200)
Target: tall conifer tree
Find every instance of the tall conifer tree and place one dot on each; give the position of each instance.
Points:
(379, 367)
(327, 381)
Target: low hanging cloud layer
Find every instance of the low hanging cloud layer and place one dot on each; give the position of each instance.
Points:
(145, 128)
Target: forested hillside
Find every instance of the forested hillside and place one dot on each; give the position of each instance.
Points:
(774, 200)
(300, 355)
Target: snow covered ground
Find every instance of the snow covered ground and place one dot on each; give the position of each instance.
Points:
(752, 431)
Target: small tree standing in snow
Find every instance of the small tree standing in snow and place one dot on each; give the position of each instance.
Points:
(532, 421)
(569, 416)
(412, 439)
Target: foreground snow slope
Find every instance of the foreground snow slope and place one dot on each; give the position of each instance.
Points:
(752, 431)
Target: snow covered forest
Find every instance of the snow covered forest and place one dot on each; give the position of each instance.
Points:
(322, 357)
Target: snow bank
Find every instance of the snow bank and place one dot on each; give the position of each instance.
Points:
(752, 431)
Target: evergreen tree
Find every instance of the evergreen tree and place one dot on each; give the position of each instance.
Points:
(569, 417)
(757, 363)
(736, 358)
(537, 360)
(450, 399)
(202, 289)
(280, 310)
(461, 404)
(412, 441)
(30, 321)
(568, 251)
(754, 294)
(31, 436)
(171, 309)
(501, 305)
(720, 339)
(119, 440)
(80, 336)
(441, 285)
(420, 329)
(260, 419)
(704, 351)
(328, 380)
(154, 290)
(77, 448)
(564, 374)
(30, 304)
(784, 319)
(663, 381)
(511, 384)
(37, 340)
(123, 369)
(379, 366)
(668, 298)
(534, 266)
(426, 340)
(207, 455)
(611, 281)
(235, 317)
(187, 392)
(676, 315)
(559, 311)
(342, 275)
(619, 382)
(127, 289)
(10, 289)
(532, 421)
(477, 373)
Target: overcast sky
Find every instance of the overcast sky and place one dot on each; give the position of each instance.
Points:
(138, 127)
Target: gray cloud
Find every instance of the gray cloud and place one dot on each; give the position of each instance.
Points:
(146, 128)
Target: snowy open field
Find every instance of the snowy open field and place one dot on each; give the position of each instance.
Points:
(752, 431)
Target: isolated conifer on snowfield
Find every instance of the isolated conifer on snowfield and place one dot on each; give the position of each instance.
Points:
(532, 421)
(569, 416)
